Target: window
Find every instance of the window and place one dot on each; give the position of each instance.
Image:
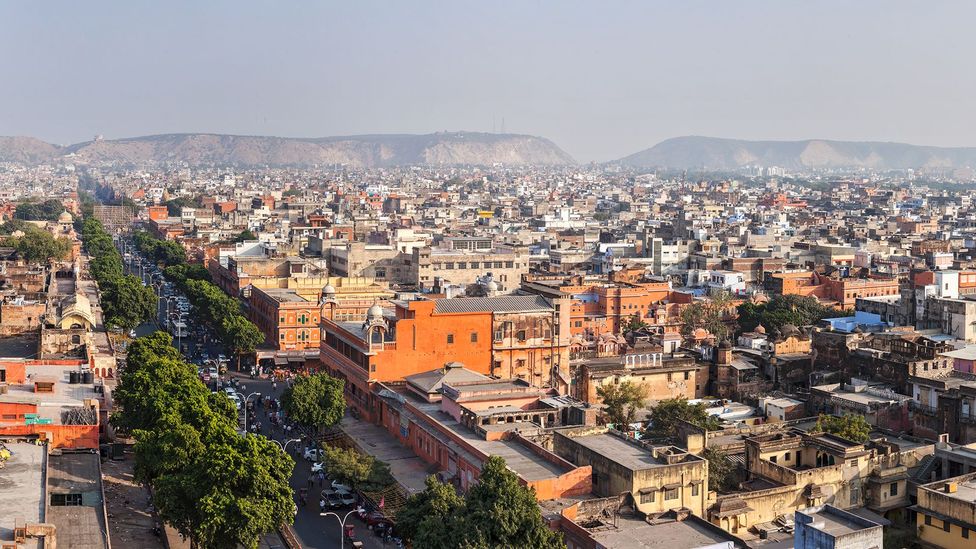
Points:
(462, 265)
(520, 335)
(647, 497)
(893, 489)
(474, 265)
(773, 459)
(509, 264)
(65, 499)
(946, 526)
(450, 339)
(928, 520)
(687, 376)
(965, 533)
(694, 489)
(474, 337)
(671, 493)
(852, 463)
(282, 335)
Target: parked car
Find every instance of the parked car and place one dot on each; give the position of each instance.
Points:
(340, 487)
(314, 454)
(318, 467)
(347, 499)
(332, 500)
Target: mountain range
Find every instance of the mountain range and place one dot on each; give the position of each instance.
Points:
(457, 148)
(712, 153)
(367, 151)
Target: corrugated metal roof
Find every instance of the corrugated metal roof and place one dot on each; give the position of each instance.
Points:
(502, 304)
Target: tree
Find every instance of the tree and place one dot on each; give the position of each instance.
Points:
(179, 274)
(634, 324)
(240, 335)
(665, 417)
(315, 400)
(244, 235)
(781, 310)
(426, 518)
(49, 210)
(39, 245)
(722, 473)
(710, 314)
(853, 427)
(127, 303)
(500, 512)
(347, 465)
(621, 401)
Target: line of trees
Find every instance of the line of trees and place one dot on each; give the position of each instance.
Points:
(496, 512)
(218, 488)
(781, 310)
(49, 210)
(219, 310)
(125, 302)
(167, 252)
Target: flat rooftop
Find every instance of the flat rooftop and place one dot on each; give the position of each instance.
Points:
(639, 534)
(78, 473)
(619, 451)
(50, 405)
(285, 295)
(833, 523)
(518, 457)
(22, 489)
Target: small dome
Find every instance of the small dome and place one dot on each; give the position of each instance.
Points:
(65, 217)
(329, 289)
(375, 311)
(725, 344)
(492, 286)
(760, 329)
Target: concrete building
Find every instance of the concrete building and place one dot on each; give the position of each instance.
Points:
(946, 512)
(659, 478)
(827, 527)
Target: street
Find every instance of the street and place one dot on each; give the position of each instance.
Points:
(313, 531)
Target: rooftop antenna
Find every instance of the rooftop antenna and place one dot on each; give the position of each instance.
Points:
(503, 124)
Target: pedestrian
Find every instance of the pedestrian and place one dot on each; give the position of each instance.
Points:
(311, 481)
(320, 479)
(274, 385)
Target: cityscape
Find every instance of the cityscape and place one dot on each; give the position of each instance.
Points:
(219, 332)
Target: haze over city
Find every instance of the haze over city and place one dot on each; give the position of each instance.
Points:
(497, 274)
(601, 80)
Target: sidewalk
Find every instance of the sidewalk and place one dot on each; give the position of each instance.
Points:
(408, 469)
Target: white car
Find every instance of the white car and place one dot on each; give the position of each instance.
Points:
(318, 467)
(341, 488)
(314, 454)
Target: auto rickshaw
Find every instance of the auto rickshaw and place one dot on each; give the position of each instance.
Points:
(349, 531)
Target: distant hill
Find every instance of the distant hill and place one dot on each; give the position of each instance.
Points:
(447, 148)
(722, 154)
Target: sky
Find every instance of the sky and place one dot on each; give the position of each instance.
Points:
(602, 79)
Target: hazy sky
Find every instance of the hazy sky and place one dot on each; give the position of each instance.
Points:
(602, 79)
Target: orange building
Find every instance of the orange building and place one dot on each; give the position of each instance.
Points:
(843, 291)
(288, 320)
(158, 213)
(508, 337)
(600, 306)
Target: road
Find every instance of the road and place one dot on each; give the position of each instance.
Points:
(312, 530)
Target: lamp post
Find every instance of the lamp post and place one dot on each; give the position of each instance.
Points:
(342, 525)
(284, 448)
(245, 405)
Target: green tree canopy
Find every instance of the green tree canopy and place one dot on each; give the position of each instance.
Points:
(347, 465)
(781, 310)
(39, 245)
(851, 426)
(127, 303)
(49, 210)
(622, 401)
(315, 400)
(427, 518)
(723, 474)
(496, 512)
(241, 335)
(665, 417)
(215, 486)
(710, 314)
(244, 235)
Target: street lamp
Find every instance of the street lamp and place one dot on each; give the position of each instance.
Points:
(284, 448)
(245, 405)
(342, 525)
